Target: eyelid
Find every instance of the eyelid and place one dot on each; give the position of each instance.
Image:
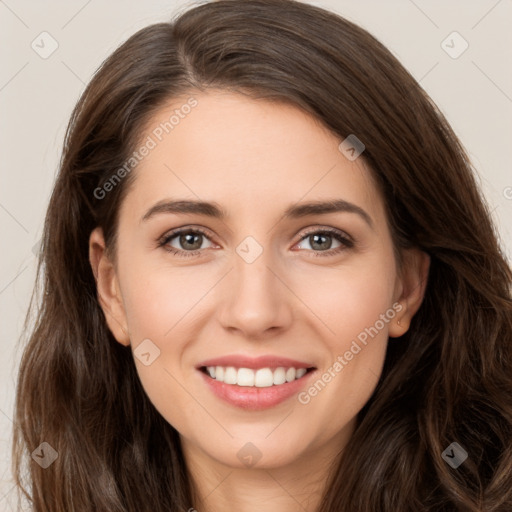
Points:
(310, 230)
(326, 229)
(344, 238)
(166, 237)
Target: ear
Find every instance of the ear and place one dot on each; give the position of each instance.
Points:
(107, 286)
(411, 286)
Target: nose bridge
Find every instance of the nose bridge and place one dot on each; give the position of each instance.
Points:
(256, 298)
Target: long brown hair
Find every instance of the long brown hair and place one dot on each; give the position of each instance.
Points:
(448, 379)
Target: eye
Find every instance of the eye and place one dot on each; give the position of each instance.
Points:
(321, 241)
(190, 241)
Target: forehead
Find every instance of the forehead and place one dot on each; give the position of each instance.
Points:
(248, 155)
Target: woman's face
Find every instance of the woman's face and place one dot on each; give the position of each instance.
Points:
(271, 285)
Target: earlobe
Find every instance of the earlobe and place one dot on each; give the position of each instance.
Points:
(413, 280)
(108, 293)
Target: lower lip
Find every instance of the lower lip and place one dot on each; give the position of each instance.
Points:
(253, 398)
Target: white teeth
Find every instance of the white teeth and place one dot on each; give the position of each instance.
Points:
(290, 374)
(219, 373)
(300, 373)
(261, 378)
(279, 376)
(264, 378)
(230, 375)
(245, 377)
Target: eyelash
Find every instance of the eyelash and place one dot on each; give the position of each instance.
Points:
(338, 235)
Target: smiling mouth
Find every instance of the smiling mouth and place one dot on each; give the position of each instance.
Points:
(259, 378)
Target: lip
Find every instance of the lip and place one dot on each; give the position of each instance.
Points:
(266, 361)
(254, 398)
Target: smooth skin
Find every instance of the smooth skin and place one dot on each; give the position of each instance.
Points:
(254, 159)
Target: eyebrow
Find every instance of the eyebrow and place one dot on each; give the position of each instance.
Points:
(214, 210)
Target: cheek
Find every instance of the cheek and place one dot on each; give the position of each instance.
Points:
(348, 299)
(158, 299)
(356, 309)
(158, 308)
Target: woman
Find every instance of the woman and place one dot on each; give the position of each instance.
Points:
(263, 366)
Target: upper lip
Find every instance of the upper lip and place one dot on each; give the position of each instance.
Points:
(266, 361)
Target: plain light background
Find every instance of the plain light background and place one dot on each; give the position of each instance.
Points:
(37, 95)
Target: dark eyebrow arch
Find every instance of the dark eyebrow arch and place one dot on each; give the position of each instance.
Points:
(214, 210)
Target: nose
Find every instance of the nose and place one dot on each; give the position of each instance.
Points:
(256, 301)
